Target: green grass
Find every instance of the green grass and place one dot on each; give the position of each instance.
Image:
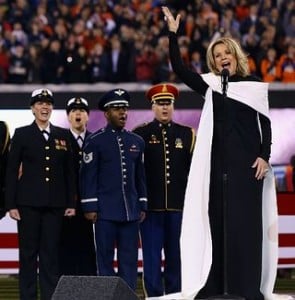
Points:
(9, 287)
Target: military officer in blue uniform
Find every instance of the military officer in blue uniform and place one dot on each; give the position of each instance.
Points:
(40, 190)
(167, 155)
(77, 255)
(113, 190)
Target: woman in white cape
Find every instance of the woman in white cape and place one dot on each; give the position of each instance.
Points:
(229, 165)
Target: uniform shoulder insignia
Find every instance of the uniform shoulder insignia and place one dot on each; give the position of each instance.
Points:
(87, 157)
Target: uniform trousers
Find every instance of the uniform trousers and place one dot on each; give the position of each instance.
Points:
(39, 233)
(161, 231)
(124, 236)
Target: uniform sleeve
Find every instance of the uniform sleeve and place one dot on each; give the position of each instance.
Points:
(12, 171)
(71, 176)
(89, 177)
(190, 78)
(141, 179)
(266, 137)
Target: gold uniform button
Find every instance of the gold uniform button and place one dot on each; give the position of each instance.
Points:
(47, 168)
(47, 157)
(47, 179)
(47, 147)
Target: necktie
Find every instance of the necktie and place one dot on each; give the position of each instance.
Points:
(80, 141)
(45, 134)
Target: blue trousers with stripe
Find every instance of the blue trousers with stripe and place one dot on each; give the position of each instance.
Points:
(161, 231)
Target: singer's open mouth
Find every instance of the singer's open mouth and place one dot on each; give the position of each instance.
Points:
(226, 65)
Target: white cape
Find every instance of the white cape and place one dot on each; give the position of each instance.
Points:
(195, 240)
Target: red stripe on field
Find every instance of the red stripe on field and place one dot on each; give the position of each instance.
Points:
(286, 261)
(286, 203)
(8, 240)
(139, 264)
(9, 264)
(287, 239)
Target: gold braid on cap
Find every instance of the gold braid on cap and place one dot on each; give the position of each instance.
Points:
(162, 95)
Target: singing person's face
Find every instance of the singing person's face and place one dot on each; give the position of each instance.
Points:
(163, 111)
(223, 58)
(42, 111)
(117, 116)
(78, 119)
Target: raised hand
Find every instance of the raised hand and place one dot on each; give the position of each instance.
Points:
(172, 23)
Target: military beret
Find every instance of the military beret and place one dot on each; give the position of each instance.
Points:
(77, 103)
(114, 98)
(162, 92)
(41, 95)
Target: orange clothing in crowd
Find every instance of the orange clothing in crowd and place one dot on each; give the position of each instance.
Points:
(287, 69)
(270, 71)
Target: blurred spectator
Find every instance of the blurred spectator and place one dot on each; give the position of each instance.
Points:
(34, 75)
(269, 66)
(76, 67)
(19, 66)
(230, 24)
(250, 40)
(164, 71)
(287, 65)
(51, 68)
(60, 31)
(242, 10)
(196, 62)
(35, 33)
(252, 20)
(276, 22)
(97, 64)
(146, 62)
(117, 61)
(252, 66)
(4, 64)
(290, 29)
(18, 34)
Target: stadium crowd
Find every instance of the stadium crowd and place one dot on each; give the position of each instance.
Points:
(87, 41)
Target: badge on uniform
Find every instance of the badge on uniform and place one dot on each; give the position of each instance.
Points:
(178, 143)
(154, 140)
(60, 144)
(87, 157)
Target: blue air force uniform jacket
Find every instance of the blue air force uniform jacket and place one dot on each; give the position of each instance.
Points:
(168, 152)
(112, 176)
(47, 176)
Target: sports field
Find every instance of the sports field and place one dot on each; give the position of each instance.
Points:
(9, 287)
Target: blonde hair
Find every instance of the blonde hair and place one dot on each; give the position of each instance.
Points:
(235, 49)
